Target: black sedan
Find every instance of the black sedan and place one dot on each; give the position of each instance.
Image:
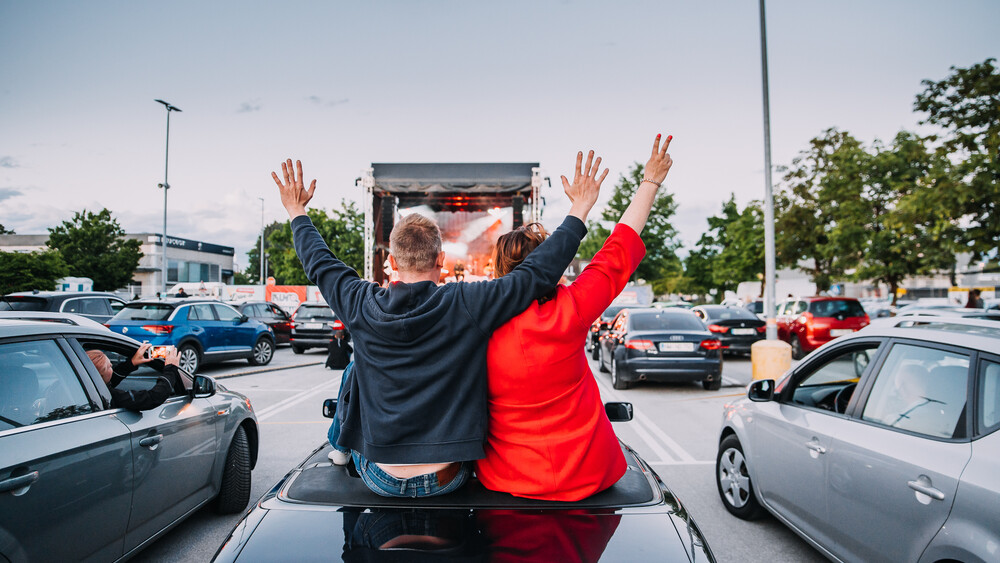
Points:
(599, 327)
(323, 512)
(737, 327)
(95, 305)
(314, 325)
(660, 345)
(269, 314)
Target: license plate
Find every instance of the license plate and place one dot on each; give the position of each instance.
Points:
(743, 331)
(835, 332)
(676, 346)
(312, 326)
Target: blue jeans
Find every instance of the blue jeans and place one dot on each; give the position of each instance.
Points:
(384, 484)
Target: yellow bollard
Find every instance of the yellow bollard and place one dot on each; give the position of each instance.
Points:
(770, 358)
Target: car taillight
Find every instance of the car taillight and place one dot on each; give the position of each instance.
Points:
(159, 329)
(762, 329)
(719, 329)
(639, 344)
(595, 328)
(712, 345)
(337, 325)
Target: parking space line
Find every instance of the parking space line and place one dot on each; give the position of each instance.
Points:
(296, 399)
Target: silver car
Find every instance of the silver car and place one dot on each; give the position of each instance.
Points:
(82, 481)
(880, 446)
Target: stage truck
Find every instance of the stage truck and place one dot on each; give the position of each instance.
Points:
(473, 203)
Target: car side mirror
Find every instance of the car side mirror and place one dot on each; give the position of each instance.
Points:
(330, 408)
(202, 387)
(618, 412)
(761, 391)
(243, 319)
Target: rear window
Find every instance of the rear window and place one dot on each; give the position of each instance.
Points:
(729, 313)
(610, 312)
(836, 308)
(314, 312)
(665, 321)
(22, 304)
(144, 312)
(756, 307)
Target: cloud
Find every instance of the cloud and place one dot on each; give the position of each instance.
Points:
(249, 107)
(322, 102)
(8, 162)
(7, 193)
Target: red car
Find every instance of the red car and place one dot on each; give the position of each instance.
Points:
(807, 323)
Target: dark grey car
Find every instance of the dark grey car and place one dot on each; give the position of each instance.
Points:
(883, 445)
(95, 305)
(81, 481)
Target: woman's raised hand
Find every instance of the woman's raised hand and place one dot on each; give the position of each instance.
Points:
(659, 161)
(586, 185)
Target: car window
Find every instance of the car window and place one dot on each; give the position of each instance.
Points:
(836, 308)
(756, 307)
(989, 397)
(921, 390)
(800, 307)
(18, 303)
(226, 313)
(143, 378)
(86, 306)
(202, 312)
(818, 388)
(253, 310)
(277, 312)
(38, 384)
(619, 322)
(144, 312)
(306, 312)
(666, 321)
(730, 313)
(611, 311)
(115, 305)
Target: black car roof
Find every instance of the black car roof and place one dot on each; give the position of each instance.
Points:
(17, 327)
(62, 295)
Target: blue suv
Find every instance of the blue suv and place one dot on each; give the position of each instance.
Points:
(204, 331)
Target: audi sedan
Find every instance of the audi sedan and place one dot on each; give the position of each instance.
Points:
(881, 446)
(81, 480)
(660, 345)
(738, 328)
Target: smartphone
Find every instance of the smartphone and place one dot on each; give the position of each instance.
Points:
(158, 352)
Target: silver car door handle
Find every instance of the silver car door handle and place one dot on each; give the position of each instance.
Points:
(922, 486)
(151, 442)
(814, 446)
(15, 483)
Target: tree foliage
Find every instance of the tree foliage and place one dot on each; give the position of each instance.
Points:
(24, 271)
(343, 230)
(966, 105)
(6, 231)
(661, 262)
(251, 274)
(94, 246)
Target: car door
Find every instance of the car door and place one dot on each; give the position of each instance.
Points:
(94, 308)
(174, 449)
(209, 330)
(239, 334)
(894, 471)
(65, 465)
(790, 439)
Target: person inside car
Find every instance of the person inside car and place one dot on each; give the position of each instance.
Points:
(412, 407)
(138, 400)
(549, 437)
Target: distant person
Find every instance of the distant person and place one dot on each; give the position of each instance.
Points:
(459, 271)
(975, 301)
(142, 400)
(181, 293)
(412, 411)
(339, 354)
(549, 437)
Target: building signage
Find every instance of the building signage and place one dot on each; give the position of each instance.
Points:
(183, 243)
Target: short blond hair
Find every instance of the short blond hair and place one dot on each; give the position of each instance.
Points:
(415, 243)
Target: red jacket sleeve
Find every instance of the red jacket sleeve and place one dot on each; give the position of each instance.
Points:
(606, 275)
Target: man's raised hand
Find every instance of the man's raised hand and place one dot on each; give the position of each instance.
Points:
(294, 196)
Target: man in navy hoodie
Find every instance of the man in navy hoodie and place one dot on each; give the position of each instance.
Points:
(413, 408)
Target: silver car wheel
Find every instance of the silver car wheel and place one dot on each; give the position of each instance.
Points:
(733, 478)
(262, 352)
(189, 359)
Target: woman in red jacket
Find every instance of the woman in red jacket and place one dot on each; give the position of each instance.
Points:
(549, 437)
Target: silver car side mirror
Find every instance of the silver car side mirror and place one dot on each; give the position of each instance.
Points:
(761, 391)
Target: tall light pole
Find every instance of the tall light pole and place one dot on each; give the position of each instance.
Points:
(769, 262)
(261, 241)
(165, 186)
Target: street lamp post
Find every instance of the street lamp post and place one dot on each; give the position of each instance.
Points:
(769, 258)
(165, 186)
(261, 241)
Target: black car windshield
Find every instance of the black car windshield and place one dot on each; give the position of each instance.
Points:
(836, 308)
(729, 313)
(144, 312)
(17, 303)
(314, 312)
(665, 321)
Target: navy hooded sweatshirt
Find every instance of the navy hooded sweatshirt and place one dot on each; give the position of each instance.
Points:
(418, 389)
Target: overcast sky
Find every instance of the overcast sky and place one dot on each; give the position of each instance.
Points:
(340, 85)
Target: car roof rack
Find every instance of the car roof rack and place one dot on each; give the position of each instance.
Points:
(954, 324)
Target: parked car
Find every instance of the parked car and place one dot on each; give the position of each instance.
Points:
(807, 323)
(94, 305)
(599, 327)
(203, 330)
(923, 305)
(315, 325)
(320, 511)
(660, 345)
(736, 327)
(881, 446)
(952, 312)
(270, 314)
(62, 318)
(81, 481)
(756, 307)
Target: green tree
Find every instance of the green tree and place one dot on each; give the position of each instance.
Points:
(698, 267)
(23, 271)
(966, 105)
(94, 246)
(6, 231)
(820, 215)
(343, 230)
(904, 238)
(661, 262)
(251, 274)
